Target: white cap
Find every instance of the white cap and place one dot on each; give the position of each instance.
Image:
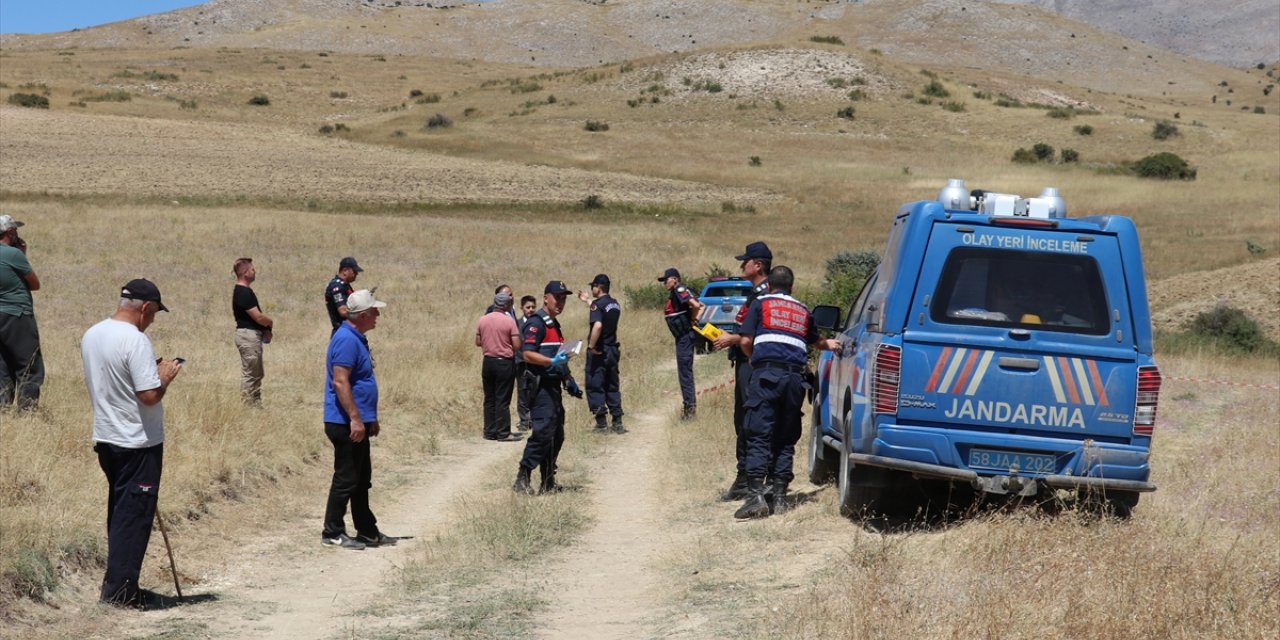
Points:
(363, 300)
(7, 222)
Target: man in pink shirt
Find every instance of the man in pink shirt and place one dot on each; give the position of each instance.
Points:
(499, 338)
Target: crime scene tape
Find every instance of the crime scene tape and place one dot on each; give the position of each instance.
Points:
(1269, 387)
(723, 385)
(1246, 385)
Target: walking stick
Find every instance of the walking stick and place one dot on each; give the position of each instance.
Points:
(173, 568)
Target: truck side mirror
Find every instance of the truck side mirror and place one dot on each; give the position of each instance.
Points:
(826, 317)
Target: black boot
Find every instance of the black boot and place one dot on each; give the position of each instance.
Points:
(689, 412)
(601, 425)
(548, 479)
(737, 490)
(617, 425)
(778, 499)
(755, 505)
(522, 482)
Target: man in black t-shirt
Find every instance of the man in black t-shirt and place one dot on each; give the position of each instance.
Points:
(253, 329)
(336, 292)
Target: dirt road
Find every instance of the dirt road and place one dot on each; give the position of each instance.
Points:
(605, 585)
(286, 585)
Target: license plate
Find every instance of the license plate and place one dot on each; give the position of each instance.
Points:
(1008, 460)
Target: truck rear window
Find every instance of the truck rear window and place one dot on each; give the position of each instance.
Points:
(726, 292)
(1021, 289)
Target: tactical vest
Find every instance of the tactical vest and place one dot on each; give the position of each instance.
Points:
(784, 327)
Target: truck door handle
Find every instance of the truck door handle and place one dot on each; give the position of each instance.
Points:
(1021, 364)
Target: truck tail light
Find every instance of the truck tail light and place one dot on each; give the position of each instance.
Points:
(1144, 412)
(884, 386)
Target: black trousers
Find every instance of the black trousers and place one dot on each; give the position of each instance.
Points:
(775, 404)
(352, 478)
(684, 368)
(499, 376)
(133, 482)
(21, 363)
(524, 395)
(741, 384)
(604, 388)
(542, 449)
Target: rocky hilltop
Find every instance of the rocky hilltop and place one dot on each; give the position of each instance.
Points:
(575, 33)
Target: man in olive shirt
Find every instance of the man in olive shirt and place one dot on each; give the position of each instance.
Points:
(253, 329)
(21, 364)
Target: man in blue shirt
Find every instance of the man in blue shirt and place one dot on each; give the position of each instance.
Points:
(350, 419)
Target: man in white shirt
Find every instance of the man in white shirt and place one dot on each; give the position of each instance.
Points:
(126, 384)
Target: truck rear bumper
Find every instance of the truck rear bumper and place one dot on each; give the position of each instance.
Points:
(1025, 485)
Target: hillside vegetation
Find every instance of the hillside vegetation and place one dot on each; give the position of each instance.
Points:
(457, 147)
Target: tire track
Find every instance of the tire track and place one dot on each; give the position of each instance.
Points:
(305, 590)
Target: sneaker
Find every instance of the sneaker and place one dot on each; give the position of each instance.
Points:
(344, 541)
(378, 540)
(510, 437)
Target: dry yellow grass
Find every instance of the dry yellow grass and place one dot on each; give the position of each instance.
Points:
(433, 216)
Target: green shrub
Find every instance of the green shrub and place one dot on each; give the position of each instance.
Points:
(1042, 151)
(1164, 166)
(826, 40)
(430, 98)
(982, 95)
(1164, 130)
(846, 113)
(1231, 328)
(109, 96)
(754, 161)
(857, 94)
(415, 93)
(954, 106)
(439, 121)
(1060, 113)
(30, 573)
(1010, 103)
(596, 125)
(846, 272)
(1259, 109)
(29, 100)
(1024, 156)
(260, 101)
(935, 90)
(468, 112)
(326, 129)
(592, 202)
(338, 95)
(1083, 129)
(1069, 156)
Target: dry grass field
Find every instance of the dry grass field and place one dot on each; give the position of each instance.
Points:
(151, 162)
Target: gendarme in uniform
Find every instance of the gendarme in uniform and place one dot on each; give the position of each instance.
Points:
(604, 393)
(679, 316)
(338, 289)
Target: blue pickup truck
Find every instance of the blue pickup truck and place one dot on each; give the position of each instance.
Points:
(722, 299)
(999, 345)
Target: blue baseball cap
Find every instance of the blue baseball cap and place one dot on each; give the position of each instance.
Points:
(349, 263)
(556, 287)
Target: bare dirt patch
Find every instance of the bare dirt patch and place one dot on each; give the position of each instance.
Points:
(1253, 287)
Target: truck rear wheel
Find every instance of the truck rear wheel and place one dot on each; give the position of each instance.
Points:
(855, 499)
